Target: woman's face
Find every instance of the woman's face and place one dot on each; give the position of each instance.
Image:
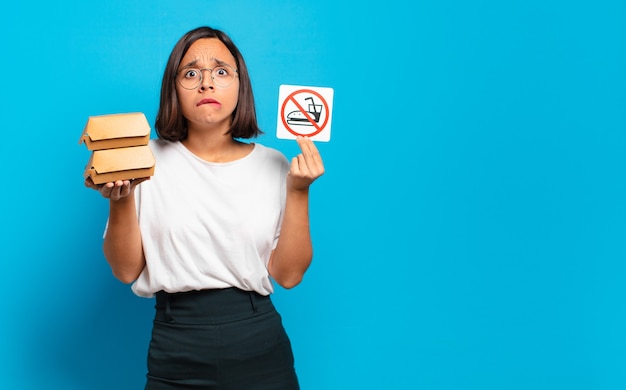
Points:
(211, 102)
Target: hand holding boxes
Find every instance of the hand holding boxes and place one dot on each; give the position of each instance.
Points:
(119, 145)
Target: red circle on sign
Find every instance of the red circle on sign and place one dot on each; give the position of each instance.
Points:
(291, 97)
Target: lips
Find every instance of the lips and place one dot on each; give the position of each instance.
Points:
(207, 101)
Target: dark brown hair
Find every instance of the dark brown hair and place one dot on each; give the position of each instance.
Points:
(170, 123)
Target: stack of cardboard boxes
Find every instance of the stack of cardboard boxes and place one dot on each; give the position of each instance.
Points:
(119, 145)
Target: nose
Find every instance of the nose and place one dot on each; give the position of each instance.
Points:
(206, 82)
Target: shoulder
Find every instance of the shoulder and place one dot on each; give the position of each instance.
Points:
(160, 144)
(162, 148)
(267, 153)
(271, 158)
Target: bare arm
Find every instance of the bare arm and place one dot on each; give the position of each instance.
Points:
(122, 243)
(294, 251)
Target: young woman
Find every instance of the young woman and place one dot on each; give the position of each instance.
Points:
(218, 222)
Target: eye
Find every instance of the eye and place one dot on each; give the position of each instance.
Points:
(221, 72)
(191, 73)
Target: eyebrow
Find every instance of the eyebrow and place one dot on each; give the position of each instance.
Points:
(195, 62)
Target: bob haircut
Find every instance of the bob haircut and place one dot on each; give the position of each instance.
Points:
(170, 123)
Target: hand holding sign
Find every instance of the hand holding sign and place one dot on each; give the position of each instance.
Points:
(304, 111)
(305, 167)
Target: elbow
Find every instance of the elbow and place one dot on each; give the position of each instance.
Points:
(289, 279)
(290, 282)
(127, 274)
(125, 277)
(288, 273)
(125, 269)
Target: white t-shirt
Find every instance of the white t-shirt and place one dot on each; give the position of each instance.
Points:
(209, 225)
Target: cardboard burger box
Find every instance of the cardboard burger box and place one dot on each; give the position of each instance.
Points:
(119, 145)
(128, 163)
(116, 131)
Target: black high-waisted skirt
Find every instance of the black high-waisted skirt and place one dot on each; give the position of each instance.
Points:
(219, 339)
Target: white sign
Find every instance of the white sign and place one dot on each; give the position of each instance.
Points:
(304, 111)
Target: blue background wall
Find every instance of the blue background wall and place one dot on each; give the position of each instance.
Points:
(469, 230)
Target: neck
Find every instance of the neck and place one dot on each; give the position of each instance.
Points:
(215, 146)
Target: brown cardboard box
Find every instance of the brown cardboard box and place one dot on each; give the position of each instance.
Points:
(120, 164)
(116, 131)
(119, 145)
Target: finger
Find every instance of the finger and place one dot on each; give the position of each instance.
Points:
(294, 170)
(125, 188)
(302, 165)
(106, 188)
(111, 190)
(305, 145)
(90, 184)
(311, 155)
(121, 189)
(305, 148)
(309, 149)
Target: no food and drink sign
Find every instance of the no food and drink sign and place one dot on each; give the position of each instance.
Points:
(304, 111)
